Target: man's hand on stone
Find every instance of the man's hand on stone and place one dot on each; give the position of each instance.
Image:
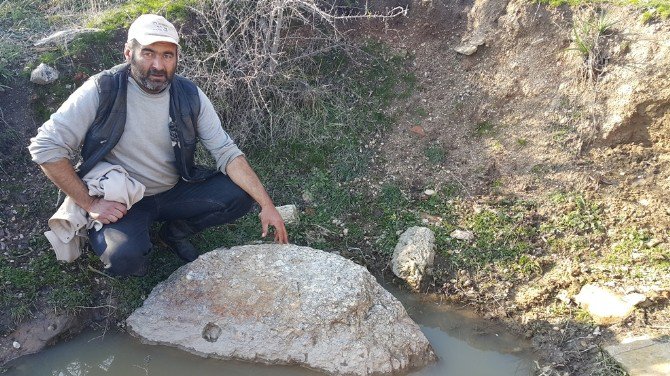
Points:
(271, 217)
(106, 211)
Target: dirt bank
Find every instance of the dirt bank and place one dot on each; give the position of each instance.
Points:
(524, 117)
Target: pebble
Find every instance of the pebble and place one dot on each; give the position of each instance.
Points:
(637, 256)
(429, 192)
(462, 235)
(16, 345)
(653, 243)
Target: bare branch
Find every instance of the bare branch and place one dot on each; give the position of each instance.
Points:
(252, 58)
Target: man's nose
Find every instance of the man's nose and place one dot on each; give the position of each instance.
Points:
(158, 63)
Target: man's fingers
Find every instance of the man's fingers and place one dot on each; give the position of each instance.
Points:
(265, 230)
(281, 236)
(119, 213)
(123, 208)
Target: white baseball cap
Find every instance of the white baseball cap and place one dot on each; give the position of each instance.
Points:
(152, 28)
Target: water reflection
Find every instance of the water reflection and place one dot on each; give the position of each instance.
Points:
(465, 345)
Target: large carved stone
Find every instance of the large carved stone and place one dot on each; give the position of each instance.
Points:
(283, 305)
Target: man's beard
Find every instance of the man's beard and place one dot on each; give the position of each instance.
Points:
(144, 77)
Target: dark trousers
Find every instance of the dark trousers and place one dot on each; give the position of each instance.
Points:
(124, 246)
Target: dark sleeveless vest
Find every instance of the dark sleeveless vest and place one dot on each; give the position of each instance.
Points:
(110, 121)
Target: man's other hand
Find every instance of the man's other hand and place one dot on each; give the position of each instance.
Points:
(106, 211)
(271, 217)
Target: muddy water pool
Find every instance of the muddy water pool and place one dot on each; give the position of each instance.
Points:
(466, 346)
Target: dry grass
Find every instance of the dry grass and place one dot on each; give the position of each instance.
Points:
(262, 64)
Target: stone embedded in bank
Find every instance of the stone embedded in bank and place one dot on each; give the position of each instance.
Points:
(43, 75)
(605, 306)
(414, 255)
(290, 214)
(283, 304)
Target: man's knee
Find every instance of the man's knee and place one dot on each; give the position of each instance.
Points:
(122, 255)
(127, 263)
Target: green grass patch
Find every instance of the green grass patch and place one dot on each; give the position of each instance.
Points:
(9, 52)
(63, 286)
(484, 129)
(378, 82)
(653, 9)
(435, 154)
(580, 215)
(50, 97)
(636, 246)
(121, 17)
(17, 14)
(504, 233)
(576, 224)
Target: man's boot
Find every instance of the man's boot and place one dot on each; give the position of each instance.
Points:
(175, 236)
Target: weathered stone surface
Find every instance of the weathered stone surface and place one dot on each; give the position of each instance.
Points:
(414, 255)
(462, 235)
(482, 20)
(63, 36)
(283, 304)
(643, 356)
(604, 306)
(289, 214)
(43, 75)
(466, 49)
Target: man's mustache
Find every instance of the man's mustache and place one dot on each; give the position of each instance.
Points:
(156, 72)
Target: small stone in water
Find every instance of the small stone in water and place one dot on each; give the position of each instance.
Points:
(16, 345)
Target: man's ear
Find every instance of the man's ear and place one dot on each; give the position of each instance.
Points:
(127, 52)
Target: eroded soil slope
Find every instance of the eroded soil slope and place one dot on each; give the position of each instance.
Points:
(526, 117)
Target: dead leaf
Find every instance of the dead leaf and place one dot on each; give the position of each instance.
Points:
(418, 130)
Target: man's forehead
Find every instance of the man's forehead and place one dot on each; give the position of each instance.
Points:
(159, 47)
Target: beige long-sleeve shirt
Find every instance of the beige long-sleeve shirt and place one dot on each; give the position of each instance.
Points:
(145, 149)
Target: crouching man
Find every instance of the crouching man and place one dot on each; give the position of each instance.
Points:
(143, 117)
